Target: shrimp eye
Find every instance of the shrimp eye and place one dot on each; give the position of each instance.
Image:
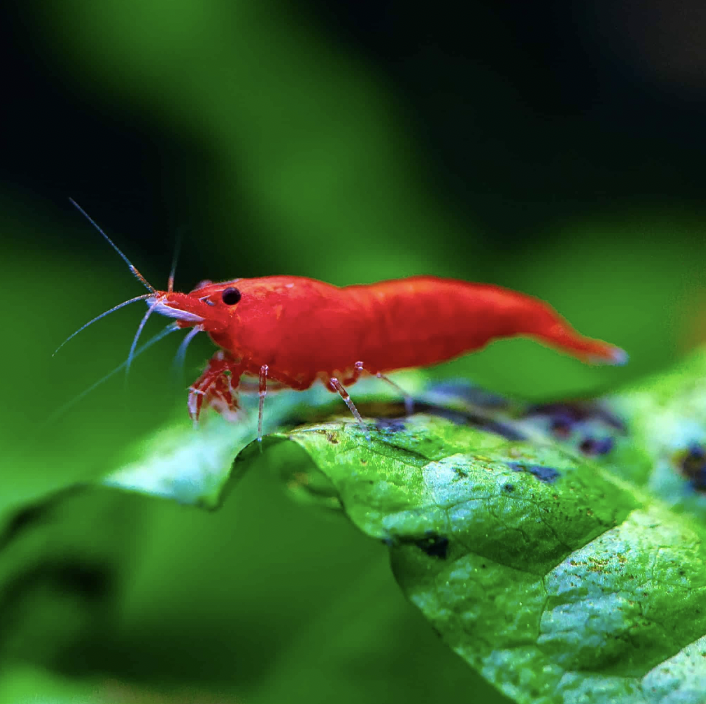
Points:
(231, 296)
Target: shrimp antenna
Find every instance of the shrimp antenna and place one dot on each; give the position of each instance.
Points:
(131, 266)
(175, 258)
(172, 327)
(133, 347)
(102, 315)
(179, 359)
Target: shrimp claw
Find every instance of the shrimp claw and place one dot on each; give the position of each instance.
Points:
(216, 387)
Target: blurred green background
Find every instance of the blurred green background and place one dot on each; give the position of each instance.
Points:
(551, 147)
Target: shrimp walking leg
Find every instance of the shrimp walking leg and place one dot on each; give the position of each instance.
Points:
(216, 387)
(335, 385)
(358, 369)
(261, 401)
(408, 399)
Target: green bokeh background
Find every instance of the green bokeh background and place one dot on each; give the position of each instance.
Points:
(280, 138)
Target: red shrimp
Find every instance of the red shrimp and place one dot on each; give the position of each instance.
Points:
(293, 330)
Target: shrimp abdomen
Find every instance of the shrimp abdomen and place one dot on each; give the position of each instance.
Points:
(424, 320)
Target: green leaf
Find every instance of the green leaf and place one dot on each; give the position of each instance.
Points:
(192, 465)
(534, 539)
(652, 434)
(666, 452)
(553, 577)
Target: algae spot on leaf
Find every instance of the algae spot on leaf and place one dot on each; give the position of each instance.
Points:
(566, 416)
(596, 446)
(544, 474)
(390, 425)
(692, 465)
(432, 544)
(471, 394)
(476, 420)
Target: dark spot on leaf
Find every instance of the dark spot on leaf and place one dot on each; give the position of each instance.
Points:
(693, 466)
(474, 419)
(544, 474)
(331, 437)
(561, 428)
(482, 566)
(434, 546)
(392, 417)
(509, 487)
(469, 393)
(390, 425)
(597, 446)
(563, 417)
